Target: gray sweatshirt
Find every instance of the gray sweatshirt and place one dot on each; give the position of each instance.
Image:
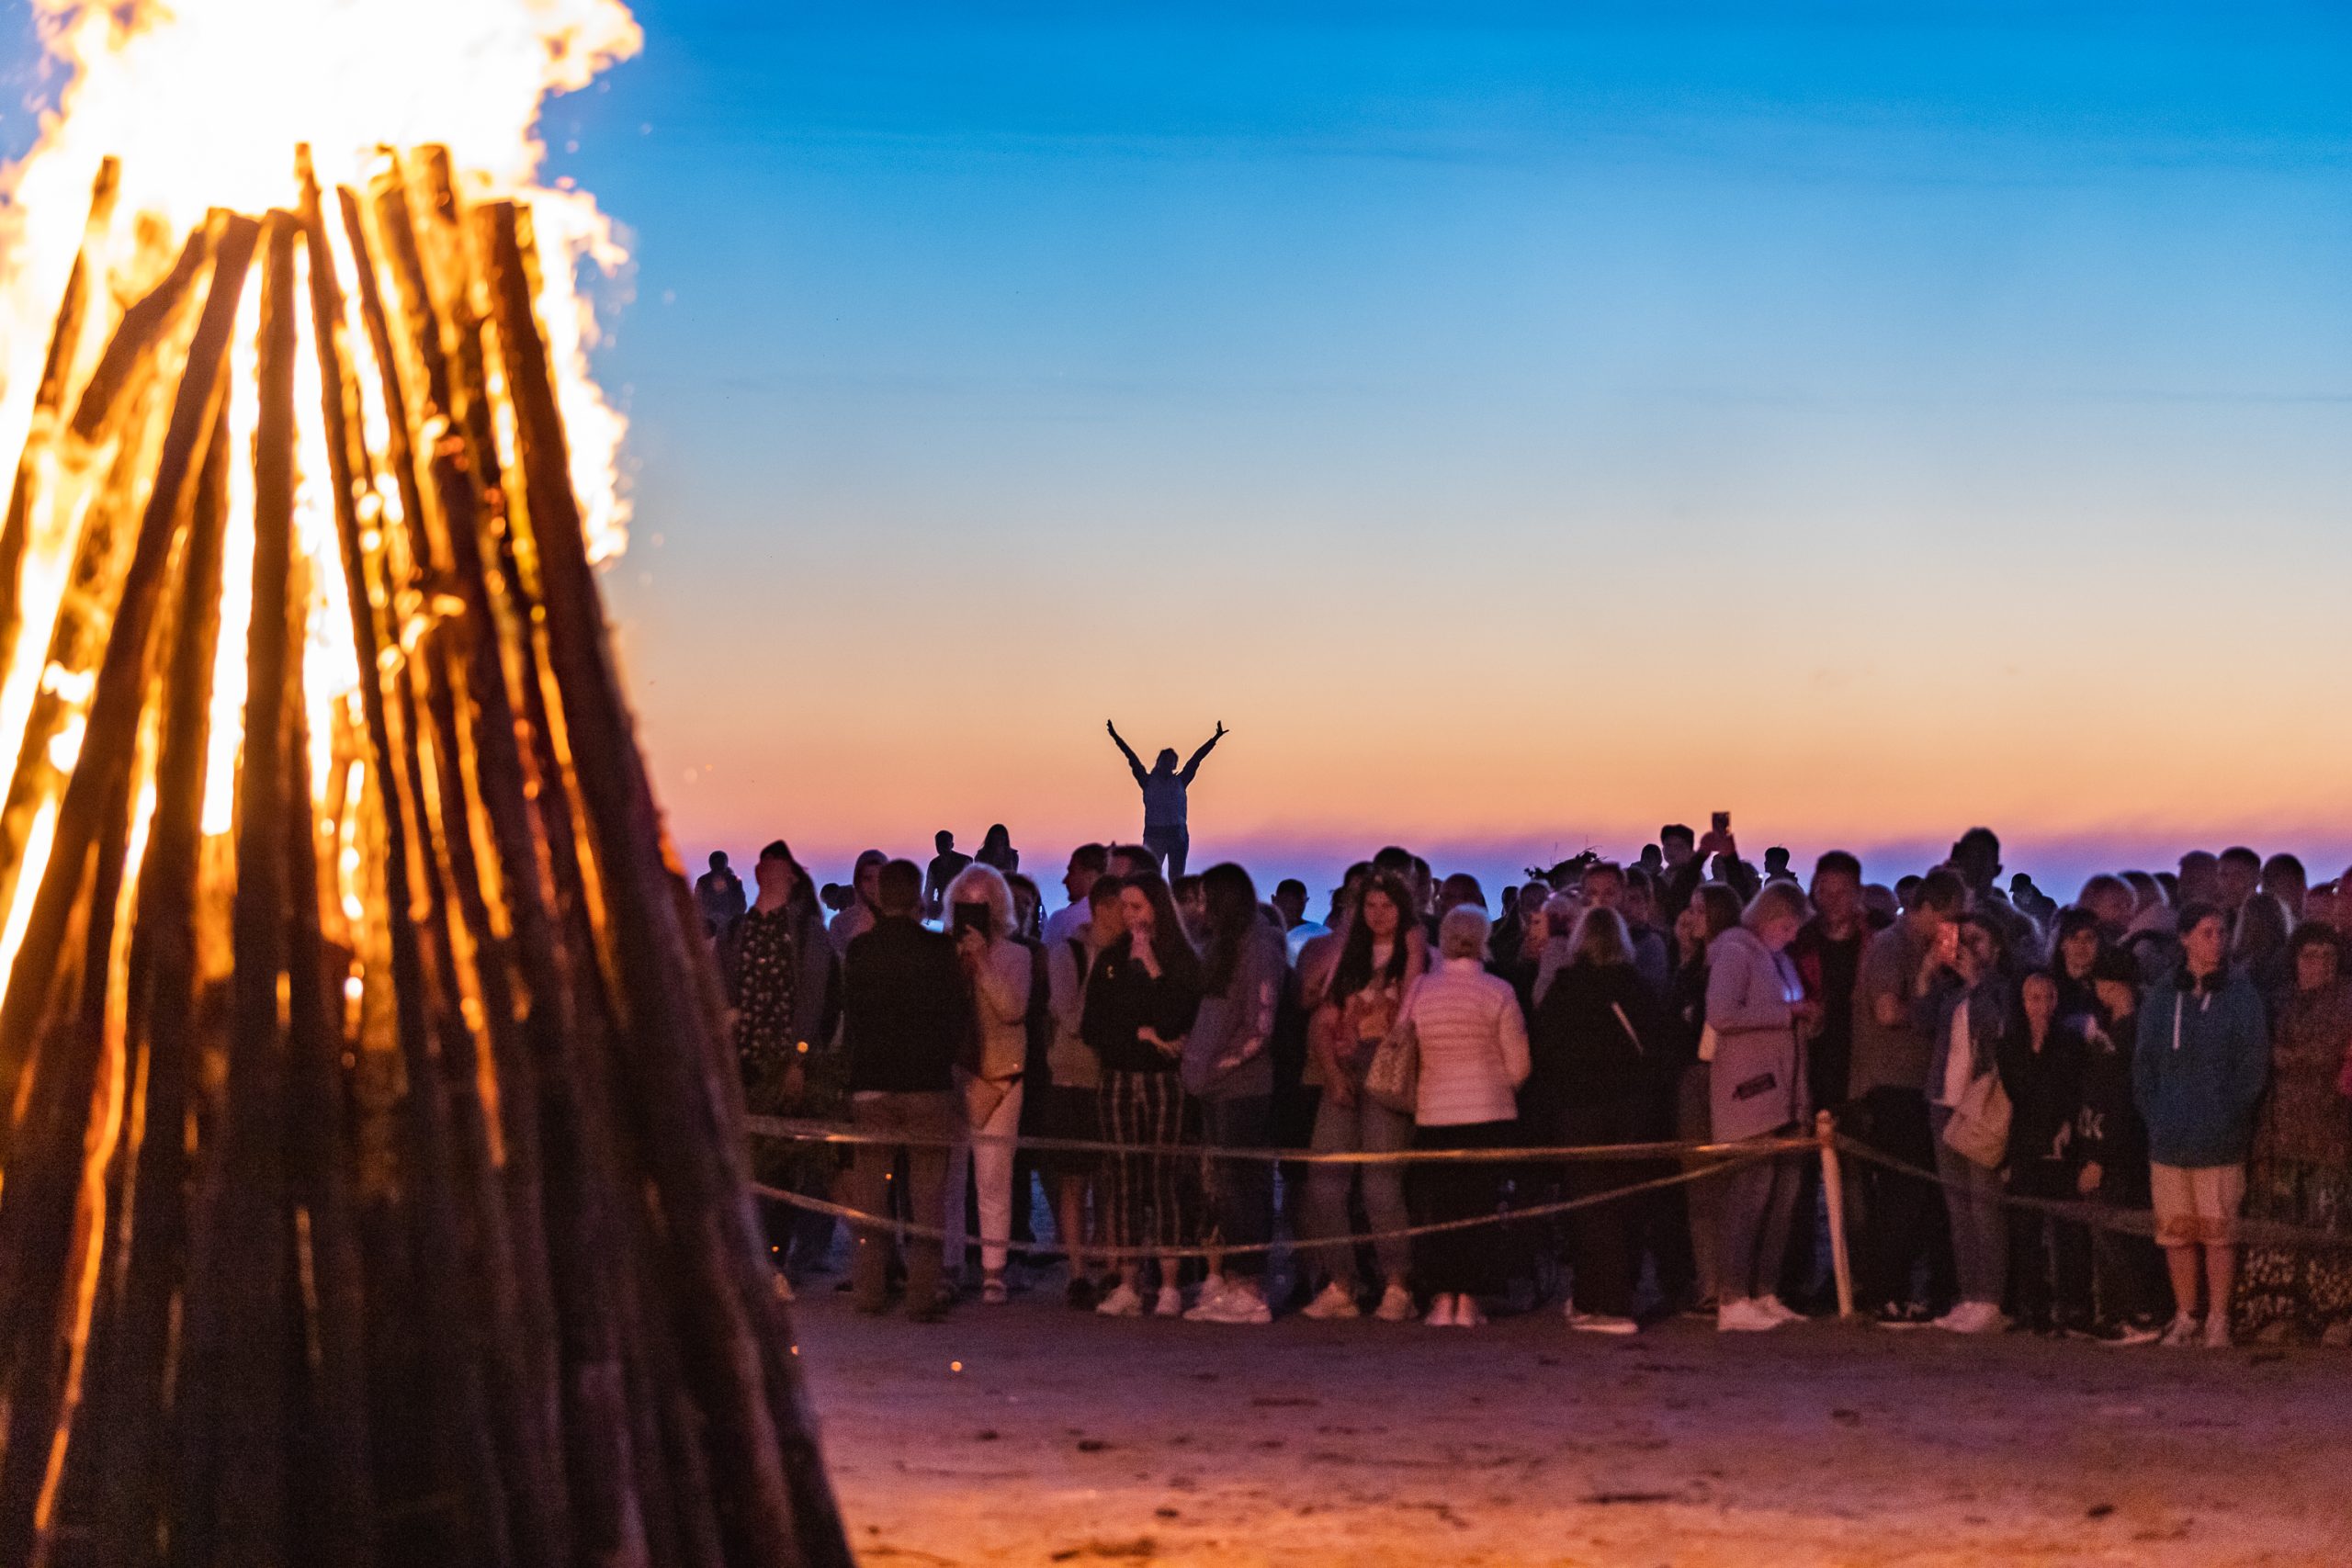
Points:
(1245, 1011)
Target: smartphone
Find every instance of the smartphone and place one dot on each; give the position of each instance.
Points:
(1722, 821)
(970, 917)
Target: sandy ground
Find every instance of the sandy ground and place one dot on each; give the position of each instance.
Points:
(1032, 1434)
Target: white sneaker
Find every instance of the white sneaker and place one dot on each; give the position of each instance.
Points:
(1441, 1312)
(1171, 1303)
(1972, 1317)
(1122, 1301)
(1780, 1309)
(2217, 1331)
(1236, 1304)
(1466, 1313)
(2183, 1333)
(1335, 1302)
(1396, 1305)
(1737, 1316)
(1602, 1323)
(1211, 1289)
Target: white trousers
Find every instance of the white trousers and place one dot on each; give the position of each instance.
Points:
(990, 1111)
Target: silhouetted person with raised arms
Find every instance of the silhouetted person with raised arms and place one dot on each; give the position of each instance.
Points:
(1165, 831)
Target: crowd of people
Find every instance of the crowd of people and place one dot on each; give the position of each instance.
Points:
(2010, 1070)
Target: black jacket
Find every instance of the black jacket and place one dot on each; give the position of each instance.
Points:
(1122, 998)
(1579, 1050)
(2045, 1089)
(907, 1009)
(2108, 1127)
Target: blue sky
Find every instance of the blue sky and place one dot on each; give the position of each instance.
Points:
(1523, 424)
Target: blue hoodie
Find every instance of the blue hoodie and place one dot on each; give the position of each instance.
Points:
(2202, 1062)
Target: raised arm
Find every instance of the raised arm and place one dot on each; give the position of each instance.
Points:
(1134, 763)
(1201, 755)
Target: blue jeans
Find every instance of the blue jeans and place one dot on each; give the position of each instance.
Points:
(1363, 1125)
(1980, 1231)
(1171, 845)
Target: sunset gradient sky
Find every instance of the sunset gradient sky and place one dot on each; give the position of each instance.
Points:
(1520, 430)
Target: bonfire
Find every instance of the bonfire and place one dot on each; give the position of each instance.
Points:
(371, 1181)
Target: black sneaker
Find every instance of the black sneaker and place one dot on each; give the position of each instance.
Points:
(2097, 1333)
(1080, 1296)
(1905, 1314)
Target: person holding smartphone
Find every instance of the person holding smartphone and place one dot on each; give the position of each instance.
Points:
(1001, 971)
(1140, 1003)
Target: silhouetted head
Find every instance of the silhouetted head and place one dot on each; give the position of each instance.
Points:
(1976, 855)
(942, 841)
(782, 878)
(2239, 873)
(898, 888)
(718, 860)
(1166, 761)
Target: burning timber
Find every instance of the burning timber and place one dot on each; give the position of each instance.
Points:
(370, 1182)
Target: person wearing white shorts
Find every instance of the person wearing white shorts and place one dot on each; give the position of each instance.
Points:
(2197, 1078)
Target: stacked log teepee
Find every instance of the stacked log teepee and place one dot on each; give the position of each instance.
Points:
(371, 1189)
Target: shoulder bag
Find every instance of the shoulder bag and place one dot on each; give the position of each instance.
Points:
(1393, 1078)
(1979, 1129)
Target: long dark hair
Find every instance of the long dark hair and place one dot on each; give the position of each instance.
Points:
(1355, 971)
(1233, 914)
(1169, 944)
(802, 900)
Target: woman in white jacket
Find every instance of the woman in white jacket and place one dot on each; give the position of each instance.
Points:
(1473, 1045)
(979, 913)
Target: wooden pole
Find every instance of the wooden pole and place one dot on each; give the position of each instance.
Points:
(526, 1367)
(1833, 1192)
(121, 389)
(38, 1202)
(611, 1449)
(48, 400)
(238, 1375)
(776, 1504)
(118, 1468)
(247, 1324)
(334, 1522)
(462, 1516)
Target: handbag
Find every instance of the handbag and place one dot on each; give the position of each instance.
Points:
(1394, 1078)
(1979, 1129)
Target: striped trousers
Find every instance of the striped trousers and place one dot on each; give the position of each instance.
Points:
(1150, 1200)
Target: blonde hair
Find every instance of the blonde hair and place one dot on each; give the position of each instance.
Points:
(978, 884)
(1463, 933)
(1774, 899)
(1600, 939)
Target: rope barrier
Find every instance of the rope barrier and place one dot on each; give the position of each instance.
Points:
(2101, 1216)
(1751, 1154)
(794, 1131)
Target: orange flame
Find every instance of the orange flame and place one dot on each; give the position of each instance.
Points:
(203, 103)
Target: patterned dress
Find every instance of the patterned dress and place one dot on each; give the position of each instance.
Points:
(765, 980)
(772, 1026)
(2301, 1175)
